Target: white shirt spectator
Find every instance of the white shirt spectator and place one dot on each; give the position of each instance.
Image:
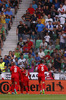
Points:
(43, 45)
(60, 10)
(21, 62)
(62, 40)
(57, 26)
(62, 18)
(47, 21)
(64, 7)
(47, 38)
(41, 54)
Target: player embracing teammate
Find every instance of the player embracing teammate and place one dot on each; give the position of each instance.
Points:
(18, 77)
(24, 80)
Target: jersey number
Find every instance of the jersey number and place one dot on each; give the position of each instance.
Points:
(42, 68)
(15, 69)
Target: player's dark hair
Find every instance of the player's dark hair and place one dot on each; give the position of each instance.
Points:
(26, 68)
(41, 61)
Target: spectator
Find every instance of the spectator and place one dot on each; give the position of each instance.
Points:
(46, 10)
(37, 59)
(33, 36)
(62, 39)
(45, 16)
(43, 44)
(41, 54)
(9, 12)
(60, 10)
(39, 9)
(32, 67)
(21, 61)
(15, 60)
(64, 6)
(20, 49)
(26, 48)
(29, 61)
(2, 66)
(57, 4)
(27, 30)
(33, 22)
(20, 30)
(39, 29)
(17, 52)
(8, 22)
(49, 4)
(27, 18)
(57, 62)
(6, 61)
(34, 5)
(56, 19)
(2, 18)
(10, 55)
(30, 43)
(47, 38)
(48, 19)
(51, 46)
(42, 20)
(31, 10)
(14, 4)
(62, 18)
(2, 32)
(48, 56)
(32, 53)
(20, 42)
(53, 11)
(49, 28)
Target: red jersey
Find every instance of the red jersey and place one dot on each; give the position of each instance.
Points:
(31, 10)
(21, 75)
(47, 56)
(30, 43)
(26, 74)
(26, 49)
(41, 69)
(15, 71)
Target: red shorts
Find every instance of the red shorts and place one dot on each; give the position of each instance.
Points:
(26, 82)
(15, 79)
(22, 80)
(41, 78)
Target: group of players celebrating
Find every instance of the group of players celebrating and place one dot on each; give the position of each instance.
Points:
(21, 77)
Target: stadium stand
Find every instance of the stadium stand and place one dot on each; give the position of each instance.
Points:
(41, 34)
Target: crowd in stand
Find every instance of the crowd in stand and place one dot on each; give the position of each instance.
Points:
(41, 35)
(8, 9)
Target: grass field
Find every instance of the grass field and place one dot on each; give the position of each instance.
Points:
(32, 97)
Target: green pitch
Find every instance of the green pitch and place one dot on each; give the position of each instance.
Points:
(32, 97)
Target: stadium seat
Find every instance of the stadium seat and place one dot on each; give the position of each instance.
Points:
(38, 43)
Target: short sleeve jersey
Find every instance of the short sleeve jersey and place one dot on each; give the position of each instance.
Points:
(15, 70)
(41, 69)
